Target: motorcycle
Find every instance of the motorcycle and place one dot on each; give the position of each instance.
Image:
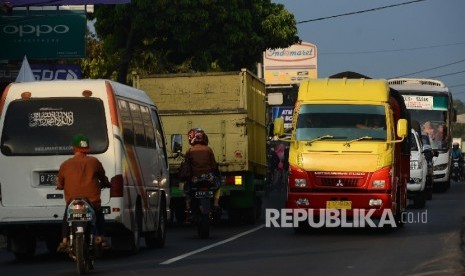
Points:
(201, 193)
(81, 219)
(456, 170)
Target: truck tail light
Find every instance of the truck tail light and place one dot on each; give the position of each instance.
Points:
(235, 180)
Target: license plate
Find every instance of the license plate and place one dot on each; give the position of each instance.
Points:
(199, 194)
(79, 217)
(48, 178)
(339, 204)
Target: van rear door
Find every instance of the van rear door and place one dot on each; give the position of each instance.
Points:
(36, 138)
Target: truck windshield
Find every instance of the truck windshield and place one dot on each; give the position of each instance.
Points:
(342, 121)
(46, 126)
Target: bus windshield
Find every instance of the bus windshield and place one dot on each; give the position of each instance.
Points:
(46, 126)
(341, 122)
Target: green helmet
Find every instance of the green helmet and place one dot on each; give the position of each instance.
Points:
(80, 141)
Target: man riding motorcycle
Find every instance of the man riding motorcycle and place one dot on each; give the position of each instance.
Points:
(82, 176)
(458, 155)
(203, 167)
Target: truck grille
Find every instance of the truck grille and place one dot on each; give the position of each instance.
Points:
(339, 180)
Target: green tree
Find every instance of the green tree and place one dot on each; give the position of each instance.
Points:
(161, 36)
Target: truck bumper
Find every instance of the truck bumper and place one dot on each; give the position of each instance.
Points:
(318, 201)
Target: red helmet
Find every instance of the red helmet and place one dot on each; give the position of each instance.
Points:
(197, 136)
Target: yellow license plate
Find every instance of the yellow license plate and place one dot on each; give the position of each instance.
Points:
(339, 204)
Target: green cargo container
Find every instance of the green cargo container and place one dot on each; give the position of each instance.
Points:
(230, 107)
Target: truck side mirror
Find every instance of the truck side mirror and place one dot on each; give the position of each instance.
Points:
(176, 144)
(402, 128)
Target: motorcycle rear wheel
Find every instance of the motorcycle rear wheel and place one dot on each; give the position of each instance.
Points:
(203, 226)
(80, 250)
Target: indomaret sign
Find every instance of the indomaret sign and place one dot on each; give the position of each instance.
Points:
(290, 65)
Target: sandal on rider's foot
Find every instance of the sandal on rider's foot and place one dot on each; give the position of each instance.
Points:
(62, 248)
(101, 242)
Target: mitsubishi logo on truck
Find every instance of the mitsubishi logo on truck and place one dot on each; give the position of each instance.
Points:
(339, 183)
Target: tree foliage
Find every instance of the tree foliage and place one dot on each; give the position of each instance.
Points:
(161, 36)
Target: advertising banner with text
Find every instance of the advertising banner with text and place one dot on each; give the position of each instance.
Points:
(43, 35)
(290, 65)
(22, 3)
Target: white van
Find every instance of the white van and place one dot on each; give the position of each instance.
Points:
(37, 123)
(417, 187)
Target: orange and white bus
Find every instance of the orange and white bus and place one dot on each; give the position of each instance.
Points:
(37, 123)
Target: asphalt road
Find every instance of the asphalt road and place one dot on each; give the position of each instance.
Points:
(430, 243)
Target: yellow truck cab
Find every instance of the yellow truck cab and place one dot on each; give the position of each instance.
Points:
(347, 149)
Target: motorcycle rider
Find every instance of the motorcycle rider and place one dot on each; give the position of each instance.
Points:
(82, 176)
(203, 165)
(457, 154)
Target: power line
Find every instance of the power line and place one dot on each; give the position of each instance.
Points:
(463, 84)
(358, 12)
(450, 74)
(393, 50)
(433, 68)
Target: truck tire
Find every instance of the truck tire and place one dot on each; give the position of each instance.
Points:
(252, 214)
(399, 212)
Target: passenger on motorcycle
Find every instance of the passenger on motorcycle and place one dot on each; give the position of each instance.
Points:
(203, 167)
(457, 154)
(82, 176)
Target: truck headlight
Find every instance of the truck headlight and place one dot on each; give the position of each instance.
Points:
(301, 183)
(414, 165)
(379, 184)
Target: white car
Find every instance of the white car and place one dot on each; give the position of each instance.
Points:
(416, 187)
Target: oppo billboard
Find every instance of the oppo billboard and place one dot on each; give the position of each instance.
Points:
(44, 35)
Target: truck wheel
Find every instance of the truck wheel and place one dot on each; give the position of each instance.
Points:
(234, 216)
(252, 215)
(398, 216)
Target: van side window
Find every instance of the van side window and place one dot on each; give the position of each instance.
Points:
(149, 131)
(138, 125)
(126, 121)
(159, 133)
